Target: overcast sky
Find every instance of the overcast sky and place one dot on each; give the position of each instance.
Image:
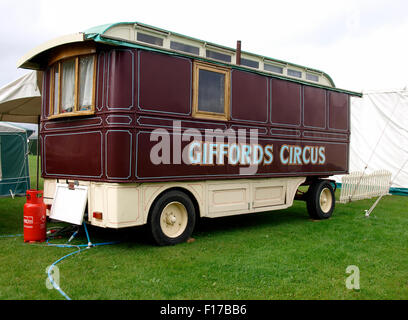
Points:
(362, 45)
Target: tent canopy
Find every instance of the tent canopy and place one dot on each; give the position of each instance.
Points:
(20, 100)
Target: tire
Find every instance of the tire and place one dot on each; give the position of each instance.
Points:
(320, 200)
(172, 218)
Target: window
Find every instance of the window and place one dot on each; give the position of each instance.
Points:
(294, 73)
(211, 91)
(272, 68)
(143, 37)
(218, 56)
(312, 77)
(55, 85)
(86, 82)
(73, 86)
(184, 47)
(249, 63)
(67, 86)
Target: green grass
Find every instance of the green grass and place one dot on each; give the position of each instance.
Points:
(272, 255)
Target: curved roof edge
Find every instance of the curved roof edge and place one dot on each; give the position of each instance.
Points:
(28, 60)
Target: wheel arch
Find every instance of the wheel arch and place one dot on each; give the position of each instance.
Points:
(186, 191)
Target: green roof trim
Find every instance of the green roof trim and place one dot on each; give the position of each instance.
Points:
(104, 27)
(97, 34)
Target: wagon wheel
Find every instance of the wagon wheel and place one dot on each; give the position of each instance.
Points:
(172, 218)
(320, 200)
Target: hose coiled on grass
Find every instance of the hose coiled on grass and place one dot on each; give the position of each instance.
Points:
(80, 248)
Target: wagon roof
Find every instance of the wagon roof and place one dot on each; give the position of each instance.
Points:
(125, 34)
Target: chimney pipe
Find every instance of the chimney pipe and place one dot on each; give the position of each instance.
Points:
(238, 61)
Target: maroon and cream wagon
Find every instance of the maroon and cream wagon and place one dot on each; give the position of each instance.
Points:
(161, 129)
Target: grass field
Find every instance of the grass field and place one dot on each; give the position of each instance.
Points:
(271, 255)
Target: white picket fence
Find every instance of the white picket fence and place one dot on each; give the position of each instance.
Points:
(358, 186)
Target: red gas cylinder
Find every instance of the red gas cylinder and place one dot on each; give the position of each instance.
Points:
(35, 228)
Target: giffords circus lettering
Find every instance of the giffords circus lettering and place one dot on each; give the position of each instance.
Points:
(253, 154)
(236, 151)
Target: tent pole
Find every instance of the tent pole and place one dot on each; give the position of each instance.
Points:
(38, 152)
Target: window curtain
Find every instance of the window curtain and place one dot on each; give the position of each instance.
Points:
(86, 75)
(56, 89)
(68, 86)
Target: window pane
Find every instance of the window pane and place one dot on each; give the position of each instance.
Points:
(312, 77)
(211, 90)
(68, 86)
(149, 39)
(218, 56)
(86, 76)
(56, 89)
(294, 73)
(184, 47)
(272, 68)
(249, 63)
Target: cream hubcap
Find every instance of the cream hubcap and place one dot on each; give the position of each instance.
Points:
(173, 219)
(326, 200)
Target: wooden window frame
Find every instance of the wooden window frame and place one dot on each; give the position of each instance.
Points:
(227, 85)
(57, 63)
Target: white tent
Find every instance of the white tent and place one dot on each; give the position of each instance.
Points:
(20, 100)
(379, 135)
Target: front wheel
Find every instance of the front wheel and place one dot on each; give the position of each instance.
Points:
(172, 218)
(320, 200)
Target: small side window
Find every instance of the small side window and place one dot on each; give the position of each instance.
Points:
(218, 56)
(250, 63)
(143, 37)
(312, 77)
(272, 68)
(211, 91)
(184, 47)
(294, 73)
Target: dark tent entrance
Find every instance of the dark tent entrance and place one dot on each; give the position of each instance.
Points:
(14, 169)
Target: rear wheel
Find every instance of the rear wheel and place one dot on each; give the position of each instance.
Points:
(320, 200)
(172, 218)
